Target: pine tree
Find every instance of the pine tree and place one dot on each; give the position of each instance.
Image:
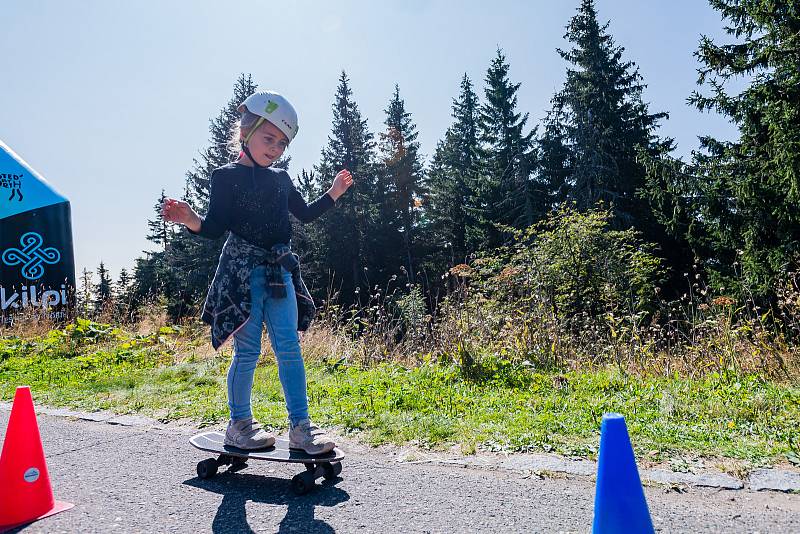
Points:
(507, 158)
(601, 117)
(404, 182)
(344, 232)
(738, 203)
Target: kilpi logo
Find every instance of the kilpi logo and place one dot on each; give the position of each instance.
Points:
(31, 256)
(271, 106)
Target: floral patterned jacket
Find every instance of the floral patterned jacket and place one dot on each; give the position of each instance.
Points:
(228, 303)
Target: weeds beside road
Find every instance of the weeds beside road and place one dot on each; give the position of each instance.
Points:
(169, 374)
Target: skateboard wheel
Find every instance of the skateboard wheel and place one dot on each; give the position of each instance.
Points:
(303, 483)
(331, 470)
(207, 468)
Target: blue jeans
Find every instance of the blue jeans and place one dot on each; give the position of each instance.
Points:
(280, 316)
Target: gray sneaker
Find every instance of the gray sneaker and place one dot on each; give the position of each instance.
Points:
(307, 436)
(248, 434)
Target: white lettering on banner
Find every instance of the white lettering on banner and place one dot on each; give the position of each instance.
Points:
(27, 296)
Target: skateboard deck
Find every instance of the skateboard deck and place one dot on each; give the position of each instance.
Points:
(326, 465)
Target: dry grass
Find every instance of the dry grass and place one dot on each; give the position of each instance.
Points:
(692, 337)
(29, 324)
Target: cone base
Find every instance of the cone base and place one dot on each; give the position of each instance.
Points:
(59, 506)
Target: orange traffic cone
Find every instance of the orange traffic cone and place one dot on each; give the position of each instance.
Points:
(25, 493)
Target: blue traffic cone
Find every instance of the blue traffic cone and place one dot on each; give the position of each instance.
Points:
(619, 503)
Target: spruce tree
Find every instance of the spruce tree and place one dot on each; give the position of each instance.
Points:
(193, 256)
(160, 230)
(123, 282)
(166, 280)
(404, 181)
(103, 290)
(601, 117)
(738, 202)
(148, 273)
(306, 239)
(555, 163)
(344, 232)
(507, 158)
(219, 150)
(86, 293)
(454, 179)
(184, 268)
(122, 294)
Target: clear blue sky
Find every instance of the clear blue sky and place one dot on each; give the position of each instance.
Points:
(110, 100)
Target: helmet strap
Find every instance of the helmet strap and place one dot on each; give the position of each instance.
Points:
(259, 122)
(246, 149)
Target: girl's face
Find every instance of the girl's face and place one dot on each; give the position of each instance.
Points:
(267, 144)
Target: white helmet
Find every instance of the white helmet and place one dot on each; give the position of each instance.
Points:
(271, 106)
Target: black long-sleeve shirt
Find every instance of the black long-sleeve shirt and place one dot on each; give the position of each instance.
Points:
(257, 208)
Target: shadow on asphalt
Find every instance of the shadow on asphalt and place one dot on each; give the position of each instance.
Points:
(238, 488)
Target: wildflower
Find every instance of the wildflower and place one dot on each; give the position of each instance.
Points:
(463, 270)
(508, 272)
(722, 301)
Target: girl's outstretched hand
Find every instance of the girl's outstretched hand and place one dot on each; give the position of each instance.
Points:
(180, 212)
(341, 183)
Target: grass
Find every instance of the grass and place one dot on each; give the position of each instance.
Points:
(497, 405)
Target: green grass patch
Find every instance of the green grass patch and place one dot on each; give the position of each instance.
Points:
(503, 407)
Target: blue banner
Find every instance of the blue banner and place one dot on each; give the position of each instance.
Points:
(37, 266)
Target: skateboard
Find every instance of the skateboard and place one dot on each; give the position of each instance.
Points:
(326, 465)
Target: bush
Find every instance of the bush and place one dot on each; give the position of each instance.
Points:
(575, 264)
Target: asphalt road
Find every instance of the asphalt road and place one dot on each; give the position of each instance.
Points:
(141, 479)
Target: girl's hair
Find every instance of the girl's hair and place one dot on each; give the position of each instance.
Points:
(247, 121)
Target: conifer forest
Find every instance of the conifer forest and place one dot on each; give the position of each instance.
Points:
(580, 238)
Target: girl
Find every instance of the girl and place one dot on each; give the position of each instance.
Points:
(258, 278)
